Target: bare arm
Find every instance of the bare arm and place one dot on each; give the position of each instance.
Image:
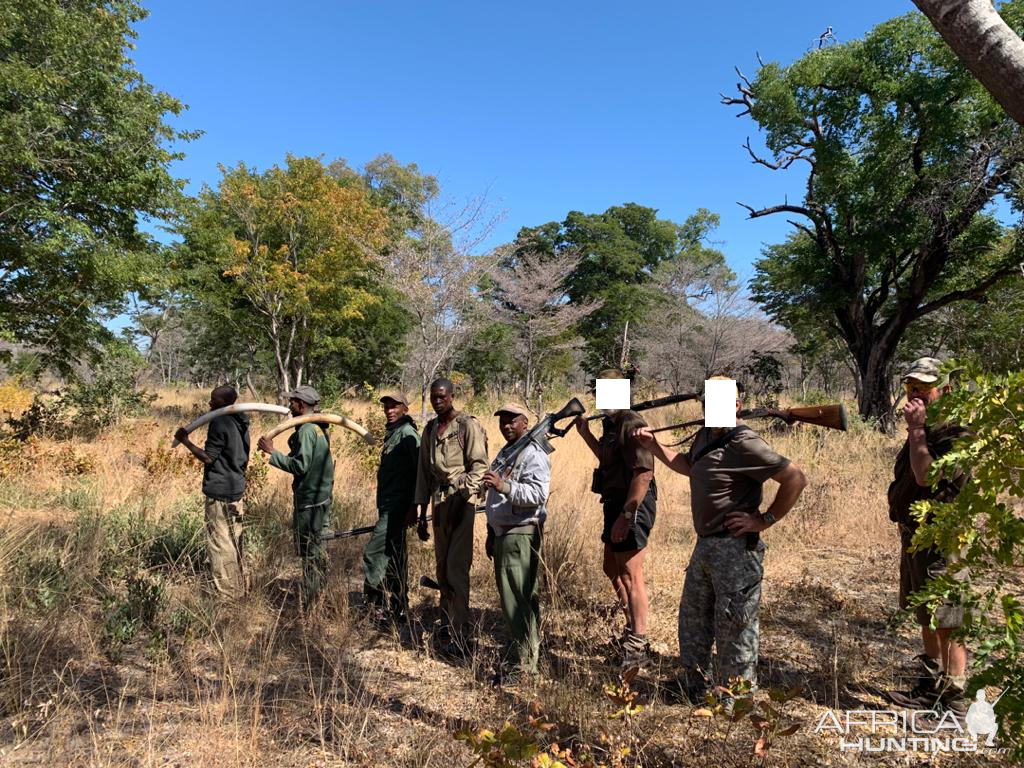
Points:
(637, 490)
(674, 460)
(792, 482)
(182, 437)
(920, 457)
(588, 437)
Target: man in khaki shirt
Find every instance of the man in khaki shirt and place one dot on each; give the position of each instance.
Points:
(453, 459)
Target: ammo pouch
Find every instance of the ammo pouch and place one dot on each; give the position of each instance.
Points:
(597, 481)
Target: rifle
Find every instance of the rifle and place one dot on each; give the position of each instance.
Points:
(539, 434)
(658, 402)
(544, 428)
(828, 416)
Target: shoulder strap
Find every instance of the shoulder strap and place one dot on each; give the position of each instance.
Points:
(462, 422)
(722, 441)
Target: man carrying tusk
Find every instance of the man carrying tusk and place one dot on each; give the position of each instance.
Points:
(225, 455)
(310, 463)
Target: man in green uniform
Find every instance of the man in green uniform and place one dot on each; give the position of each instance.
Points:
(225, 456)
(722, 589)
(625, 481)
(942, 668)
(385, 568)
(516, 512)
(452, 462)
(310, 462)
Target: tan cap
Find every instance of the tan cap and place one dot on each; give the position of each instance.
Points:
(924, 369)
(512, 408)
(398, 397)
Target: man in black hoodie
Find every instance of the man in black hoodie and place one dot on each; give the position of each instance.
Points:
(225, 457)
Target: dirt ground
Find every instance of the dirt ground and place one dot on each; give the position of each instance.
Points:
(256, 683)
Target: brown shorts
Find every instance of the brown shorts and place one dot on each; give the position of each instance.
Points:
(916, 568)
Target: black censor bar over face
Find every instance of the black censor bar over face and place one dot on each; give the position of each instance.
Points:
(612, 393)
(720, 402)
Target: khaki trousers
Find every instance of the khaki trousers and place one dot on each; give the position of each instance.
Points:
(453, 550)
(224, 546)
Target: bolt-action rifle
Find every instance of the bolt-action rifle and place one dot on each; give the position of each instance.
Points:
(828, 416)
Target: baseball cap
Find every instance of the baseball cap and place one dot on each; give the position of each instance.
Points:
(924, 369)
(398, 397)
(514, 409)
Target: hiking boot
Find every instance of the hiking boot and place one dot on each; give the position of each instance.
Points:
(616, 643)
(952, 697)
(685, 690)
(636, 651)
(455, 646)
(925, 692)
(510, 677)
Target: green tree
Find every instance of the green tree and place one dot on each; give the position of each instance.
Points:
(989, 333)
(85, 159)
(295, 250)
(906, 155)
(619, 251)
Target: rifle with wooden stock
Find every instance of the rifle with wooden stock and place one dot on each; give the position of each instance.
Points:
(828, 416)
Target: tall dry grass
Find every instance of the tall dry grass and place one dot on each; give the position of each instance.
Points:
(256, 682)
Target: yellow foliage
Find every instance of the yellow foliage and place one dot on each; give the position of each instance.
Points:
(14, 398)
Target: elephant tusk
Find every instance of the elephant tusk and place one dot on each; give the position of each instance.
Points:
(322, 418)
(206, 418)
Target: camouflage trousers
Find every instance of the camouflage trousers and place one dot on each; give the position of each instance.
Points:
(721, 598)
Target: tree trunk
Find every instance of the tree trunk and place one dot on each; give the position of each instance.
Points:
(985, 44)
(873, 374)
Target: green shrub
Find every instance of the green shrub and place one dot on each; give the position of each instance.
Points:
(982, 533)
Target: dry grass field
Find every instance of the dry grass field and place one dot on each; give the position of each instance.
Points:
(113, 652)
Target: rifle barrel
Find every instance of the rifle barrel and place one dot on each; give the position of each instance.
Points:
(658, 402)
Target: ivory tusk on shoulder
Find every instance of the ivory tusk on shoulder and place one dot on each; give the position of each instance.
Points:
(227, 410)
(323, 418)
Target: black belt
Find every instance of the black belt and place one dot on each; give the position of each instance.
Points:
(751, 539)
(717, 534)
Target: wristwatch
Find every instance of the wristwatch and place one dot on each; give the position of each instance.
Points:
(769, 518)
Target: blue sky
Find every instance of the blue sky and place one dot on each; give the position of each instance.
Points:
(546, 107)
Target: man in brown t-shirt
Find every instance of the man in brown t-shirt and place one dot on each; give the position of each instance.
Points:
(625, 482)
(943, 665)
(722, 589)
